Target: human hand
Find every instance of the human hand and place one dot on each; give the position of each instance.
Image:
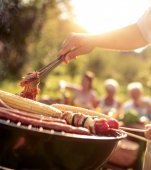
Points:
(77, 44)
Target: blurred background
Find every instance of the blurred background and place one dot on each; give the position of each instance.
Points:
(32, 31)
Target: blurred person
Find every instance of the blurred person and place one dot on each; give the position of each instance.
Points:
(127, 38)
(110, 102)
(84, 95)
(138, 102)
(138, 107)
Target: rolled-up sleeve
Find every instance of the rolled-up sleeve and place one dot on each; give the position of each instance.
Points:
(144, 24)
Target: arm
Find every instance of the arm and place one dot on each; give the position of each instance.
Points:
(73, 87)
(94, 99)
(127, 38)
(65, 85)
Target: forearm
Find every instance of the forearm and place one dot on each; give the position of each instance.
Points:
(124, 39)
(72, 87)
(127, 38)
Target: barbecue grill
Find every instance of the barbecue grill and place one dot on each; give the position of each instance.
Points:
(27, 147)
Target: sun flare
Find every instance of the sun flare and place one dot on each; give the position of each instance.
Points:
(97, 16)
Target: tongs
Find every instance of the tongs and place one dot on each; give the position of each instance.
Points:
(52, 65)
(49, 67)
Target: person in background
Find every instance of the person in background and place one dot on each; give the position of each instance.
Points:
(110, 102)
(138, 102)
(84, 95)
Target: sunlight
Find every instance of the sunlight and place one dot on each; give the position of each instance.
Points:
(105, 15)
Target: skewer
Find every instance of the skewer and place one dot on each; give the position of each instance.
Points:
(137, 137)
(133, 135)
(133, 129)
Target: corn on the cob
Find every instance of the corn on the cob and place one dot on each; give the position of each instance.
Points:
(64, 107)
(28, 105)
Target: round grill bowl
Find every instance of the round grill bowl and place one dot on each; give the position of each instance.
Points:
(30, 148)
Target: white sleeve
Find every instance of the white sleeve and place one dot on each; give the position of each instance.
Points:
(144, 24)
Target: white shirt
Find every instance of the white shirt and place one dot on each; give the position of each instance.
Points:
(144, 24)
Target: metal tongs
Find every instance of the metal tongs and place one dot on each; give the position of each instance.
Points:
(52, 65)
(49, 67)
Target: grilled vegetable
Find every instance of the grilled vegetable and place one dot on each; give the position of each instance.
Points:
(28, 105)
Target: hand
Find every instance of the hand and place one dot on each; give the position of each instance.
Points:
(81, 42)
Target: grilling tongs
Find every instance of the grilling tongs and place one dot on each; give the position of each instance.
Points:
(52, 65)
(49, 67)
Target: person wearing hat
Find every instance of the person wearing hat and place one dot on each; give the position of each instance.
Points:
(110, 102)
(138, 102)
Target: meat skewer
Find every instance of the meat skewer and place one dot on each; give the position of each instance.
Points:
(102, 125)
(112, 122)
(97, 126)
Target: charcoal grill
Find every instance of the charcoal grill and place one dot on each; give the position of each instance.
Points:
(26, 147)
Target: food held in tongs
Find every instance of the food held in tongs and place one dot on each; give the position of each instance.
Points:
(30, 84)
(32, 80)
